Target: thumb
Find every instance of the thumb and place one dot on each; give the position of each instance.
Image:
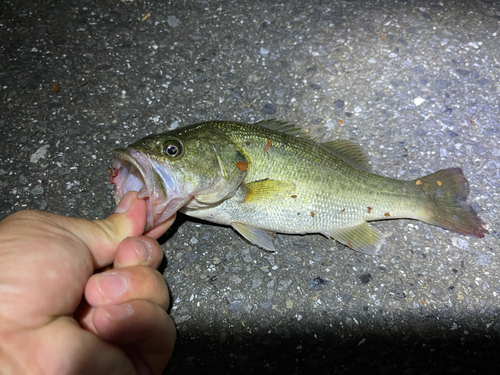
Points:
(103, 236)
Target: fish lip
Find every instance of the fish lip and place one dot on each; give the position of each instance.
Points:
(124, 175)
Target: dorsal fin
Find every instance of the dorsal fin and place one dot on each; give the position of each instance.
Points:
(282, 126)
(349, 152)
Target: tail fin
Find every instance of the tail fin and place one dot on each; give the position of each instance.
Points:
(447, 191)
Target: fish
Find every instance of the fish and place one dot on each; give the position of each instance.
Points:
(270, 177)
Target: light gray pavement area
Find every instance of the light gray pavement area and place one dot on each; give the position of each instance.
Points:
(415, 83)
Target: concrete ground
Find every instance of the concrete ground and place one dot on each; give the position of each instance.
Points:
(416, 83)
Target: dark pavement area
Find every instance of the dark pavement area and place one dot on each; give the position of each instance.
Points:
(415, 83)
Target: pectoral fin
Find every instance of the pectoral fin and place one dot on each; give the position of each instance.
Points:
(361, 237)
(265, 190)
(255, 235)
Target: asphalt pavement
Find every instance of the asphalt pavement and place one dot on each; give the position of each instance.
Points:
(415, 83)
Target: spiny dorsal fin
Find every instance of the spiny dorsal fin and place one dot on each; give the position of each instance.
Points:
(349, 152)
(282, 126)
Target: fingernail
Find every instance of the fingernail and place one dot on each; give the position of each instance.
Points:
(119, 312)
(143, 249)
(111, 285)
(125, 203)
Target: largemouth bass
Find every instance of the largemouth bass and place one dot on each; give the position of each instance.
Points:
(268, 177)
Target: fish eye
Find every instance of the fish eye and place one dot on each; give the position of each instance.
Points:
(172, 149)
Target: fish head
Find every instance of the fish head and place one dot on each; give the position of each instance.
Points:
(177, 168)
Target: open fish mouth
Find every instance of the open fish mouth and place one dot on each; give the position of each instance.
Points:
(135, 171)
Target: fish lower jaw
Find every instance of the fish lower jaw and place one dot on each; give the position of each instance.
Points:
(143, 193)
(157, 213)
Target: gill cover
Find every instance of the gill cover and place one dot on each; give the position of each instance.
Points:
(227, 162)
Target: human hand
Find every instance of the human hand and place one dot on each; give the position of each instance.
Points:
(47, 264)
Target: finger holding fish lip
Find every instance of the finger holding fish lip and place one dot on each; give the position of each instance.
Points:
(133, 278)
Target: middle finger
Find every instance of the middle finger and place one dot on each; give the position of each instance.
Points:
(121, 285)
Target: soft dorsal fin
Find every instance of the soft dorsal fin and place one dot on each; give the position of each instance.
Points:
(282, 126)
(349, 152)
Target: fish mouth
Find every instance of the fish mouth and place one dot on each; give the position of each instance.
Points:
(135, 171)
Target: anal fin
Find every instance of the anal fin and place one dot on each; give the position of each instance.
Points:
(255, 235)
(361, 237)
